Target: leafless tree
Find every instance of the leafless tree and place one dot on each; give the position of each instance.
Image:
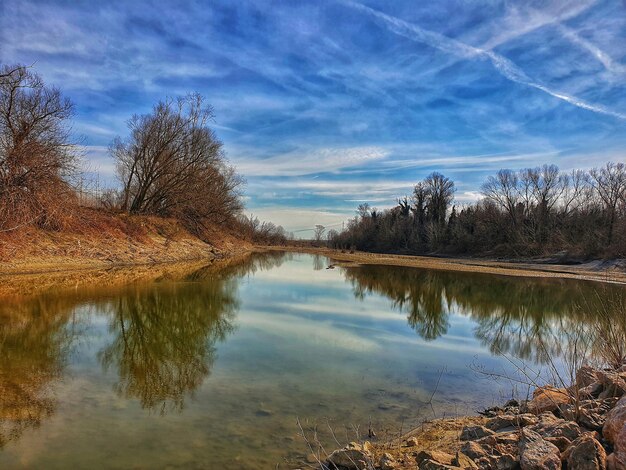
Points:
(610, 184)
(36, 155)
(318, 233)
(173, 165)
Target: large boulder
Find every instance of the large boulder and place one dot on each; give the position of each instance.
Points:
(585, 453)
(354, 456)
(538, 454)
(557, 431)
(548, 399)
(615, 421)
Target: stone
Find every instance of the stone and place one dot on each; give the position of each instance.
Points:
(412, 442)
(387, 462)
(538, 454)
(432, 465)
(494, 452)
(435, 456)
(613, 383)
(463, 461)
(616, 462)
(586, 376)
(511, 421)
(558, 428)
(352, 457)
(591, 391)
(615, 421)
(471, 433)
(585, 453)
(561, 442)
(618, 457)
(548, 399)
(473, 450)
(590, 414)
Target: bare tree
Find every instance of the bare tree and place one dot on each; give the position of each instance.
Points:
(36, 155)
(318, 233)
(173, 165)
(610, 184)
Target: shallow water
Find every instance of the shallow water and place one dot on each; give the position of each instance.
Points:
(213, 368)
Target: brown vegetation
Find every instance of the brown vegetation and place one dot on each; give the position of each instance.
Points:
(178, 197)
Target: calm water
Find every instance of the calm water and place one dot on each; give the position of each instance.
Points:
(211, 368)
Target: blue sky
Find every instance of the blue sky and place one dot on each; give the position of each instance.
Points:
(323, 105)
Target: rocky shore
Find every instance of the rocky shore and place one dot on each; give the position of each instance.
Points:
(579, 427)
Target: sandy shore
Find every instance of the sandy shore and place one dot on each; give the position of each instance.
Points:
(613, 272)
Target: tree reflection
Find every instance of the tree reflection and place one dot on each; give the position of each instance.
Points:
(35, 339)
(165, 338)
(166, 333)
(532, 319)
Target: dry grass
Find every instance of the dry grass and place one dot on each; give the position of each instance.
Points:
(99, 239)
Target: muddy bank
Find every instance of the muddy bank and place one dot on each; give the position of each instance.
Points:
(613, 271)
(112, 240)
(579, 427)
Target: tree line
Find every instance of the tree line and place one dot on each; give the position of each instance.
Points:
(528, 212)
(171, 163)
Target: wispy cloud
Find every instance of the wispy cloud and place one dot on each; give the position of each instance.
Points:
(505, 66)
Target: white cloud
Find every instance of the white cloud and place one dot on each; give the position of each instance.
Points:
(298, 163)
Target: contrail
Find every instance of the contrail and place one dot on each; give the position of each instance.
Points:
(506, 67)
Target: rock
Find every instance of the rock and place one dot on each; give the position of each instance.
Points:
(412, 442)
(498, 451)
(352, 457)
(473, 450)
(586, 376)
(585, 453)
(471, 433)
(548, 399)
(591, 391)
(511, 421)
(613, 383)
(387, 462)
(538, 454)
(435, 456)
(590, 414)
(558, 428)
(432, 465)
(463, 461)
(618, 457)
(615, 421)
(616, 462)
(561, 442)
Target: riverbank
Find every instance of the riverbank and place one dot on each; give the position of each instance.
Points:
(111, 240)
(602, 271)
(580, 427)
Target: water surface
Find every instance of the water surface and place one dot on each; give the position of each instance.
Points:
(212, 367)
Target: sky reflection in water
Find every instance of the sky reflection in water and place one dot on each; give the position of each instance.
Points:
(211, 368)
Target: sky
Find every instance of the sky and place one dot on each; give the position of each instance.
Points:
(326, 104)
